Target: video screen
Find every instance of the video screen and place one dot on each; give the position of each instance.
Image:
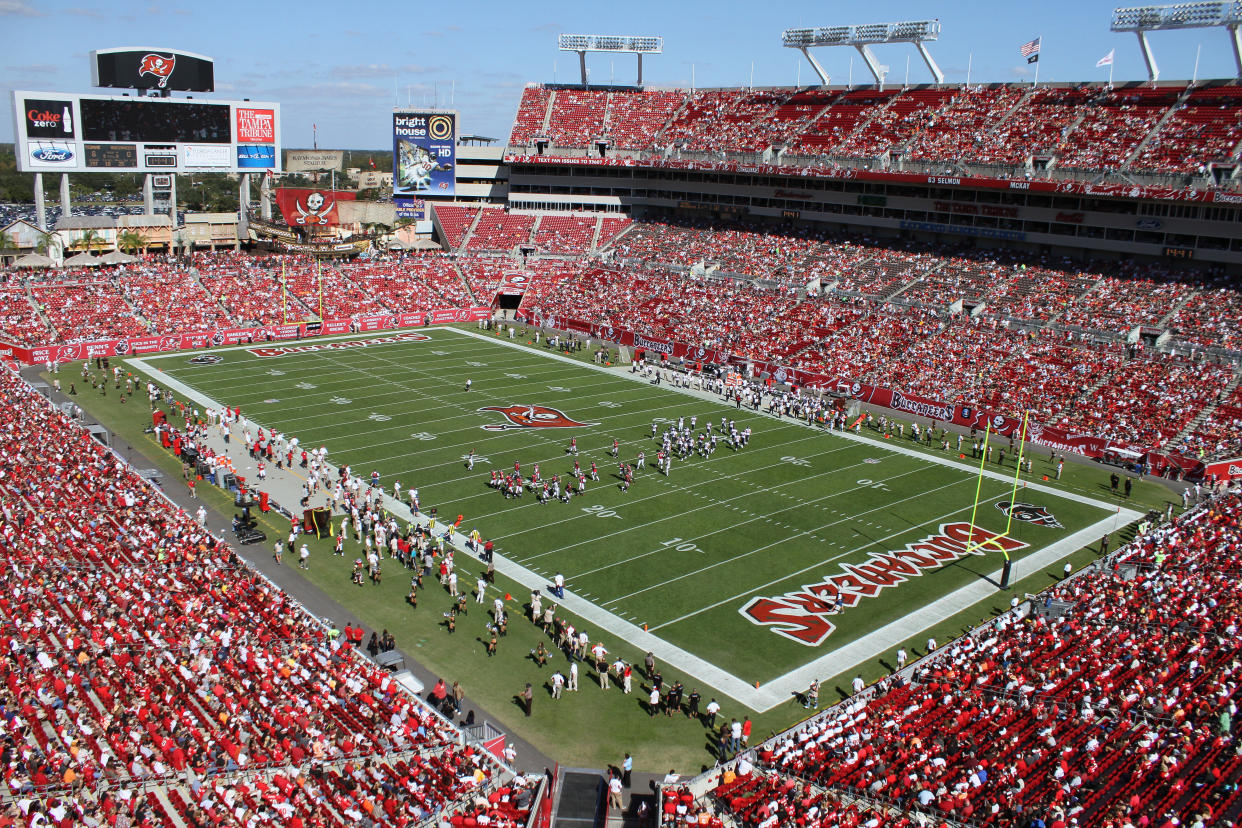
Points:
(155, 121)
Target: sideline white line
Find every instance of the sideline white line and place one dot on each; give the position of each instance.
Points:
(970, 468)
(872, 644)
(632, 633)
(886, 638)
(780, 689)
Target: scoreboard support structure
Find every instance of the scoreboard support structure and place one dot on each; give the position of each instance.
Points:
(66, 203)
(40, 206)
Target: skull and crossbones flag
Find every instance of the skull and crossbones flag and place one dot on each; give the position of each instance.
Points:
(310, 208)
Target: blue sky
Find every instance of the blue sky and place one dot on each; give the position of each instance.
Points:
(336, 64)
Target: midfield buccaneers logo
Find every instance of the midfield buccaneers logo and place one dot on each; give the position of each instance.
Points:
(531, 416)
(1029, 513)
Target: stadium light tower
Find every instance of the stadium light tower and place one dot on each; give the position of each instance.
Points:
(628, 44)
(862, 38)
(1144, 19)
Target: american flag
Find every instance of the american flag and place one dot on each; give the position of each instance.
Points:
(1030, 50)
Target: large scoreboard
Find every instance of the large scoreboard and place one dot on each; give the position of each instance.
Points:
(62, 132)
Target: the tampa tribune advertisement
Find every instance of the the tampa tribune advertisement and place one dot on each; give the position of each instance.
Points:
(424, 149)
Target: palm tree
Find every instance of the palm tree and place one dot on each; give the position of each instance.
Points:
(90, 239)
(7, 241)
(49, 244)
(131, 241)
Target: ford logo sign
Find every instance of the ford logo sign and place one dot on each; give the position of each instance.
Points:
(57, 155)
(1149, 224)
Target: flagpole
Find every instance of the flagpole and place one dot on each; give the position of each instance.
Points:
(969, 61)
(1110, 73)
(1040, 39)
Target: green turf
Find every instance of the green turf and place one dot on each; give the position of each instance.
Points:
(422, 392)
(680, 553)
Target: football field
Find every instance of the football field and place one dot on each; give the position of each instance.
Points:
(797, 556)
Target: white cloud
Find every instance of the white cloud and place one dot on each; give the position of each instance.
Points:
(16, 7)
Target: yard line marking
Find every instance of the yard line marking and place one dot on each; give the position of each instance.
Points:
(883, 445)
(730, 527)
(436, 379)
(886, 638)
(677, 516)
(740, 556)
(776, 691)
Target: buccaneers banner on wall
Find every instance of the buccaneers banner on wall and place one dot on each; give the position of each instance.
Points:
(132, 346)
(310, 208)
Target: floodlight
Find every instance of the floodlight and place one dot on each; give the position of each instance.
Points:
(862, 37)
(629, 44)
(1202, 15)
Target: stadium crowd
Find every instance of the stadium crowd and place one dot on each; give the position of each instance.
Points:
(1166, 129)
(1111, 700)
(154, 679)
(1044, 335)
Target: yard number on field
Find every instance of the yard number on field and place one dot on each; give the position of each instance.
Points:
(600, 511)
(795, 461)
(873, 484)
(423, 435)
(681, 546)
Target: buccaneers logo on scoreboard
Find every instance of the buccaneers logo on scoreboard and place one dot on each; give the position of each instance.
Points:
(158, 65)
(531, 416)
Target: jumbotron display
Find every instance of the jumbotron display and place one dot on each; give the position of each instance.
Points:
(61, 132)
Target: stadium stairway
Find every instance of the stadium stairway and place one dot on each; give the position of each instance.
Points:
(169, 811)
(655, 139)
(1155, 130)
(547, 113)
(465, 237)
(194, 274)
(1065, 134)
(861, 125)
(599, 223)
(611, 242)
(1178, 305)
(39, 311)
(466, 282)
(1207, 411)
(1056, 317)
(912, 283)
(1237, 150)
